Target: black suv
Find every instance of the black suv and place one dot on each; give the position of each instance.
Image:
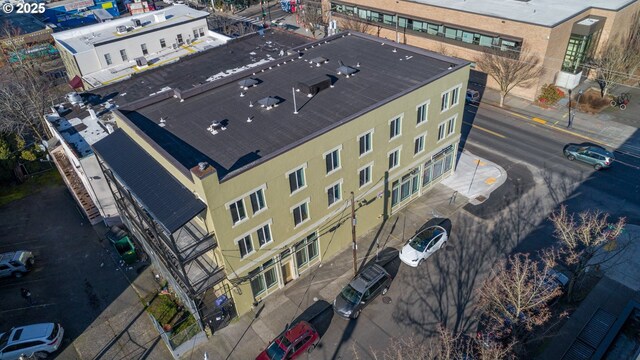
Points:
(369, 283)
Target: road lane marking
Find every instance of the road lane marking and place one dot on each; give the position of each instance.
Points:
(517, 115)
(486, 130)
(629, 165)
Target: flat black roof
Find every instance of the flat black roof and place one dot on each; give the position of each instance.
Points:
(386, 71)
(170, 203)
(193, 70)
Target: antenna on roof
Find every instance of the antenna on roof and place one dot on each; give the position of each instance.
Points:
(295, 107)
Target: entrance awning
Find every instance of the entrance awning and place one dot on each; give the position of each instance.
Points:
(165, 198)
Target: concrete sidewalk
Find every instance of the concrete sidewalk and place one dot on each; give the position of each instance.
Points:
(607, 128)
(249, 334)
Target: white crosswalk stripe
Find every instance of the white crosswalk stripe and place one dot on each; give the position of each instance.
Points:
(246, 19)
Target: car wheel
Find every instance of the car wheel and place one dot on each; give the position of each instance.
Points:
(310, 349)
(384, 291)
(613, 103)
(571, 157)
(41, 355)
(597, 167)
(17, 274)
(420, 262)
(356, 314)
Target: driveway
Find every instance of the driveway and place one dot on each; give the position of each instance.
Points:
(76, 281)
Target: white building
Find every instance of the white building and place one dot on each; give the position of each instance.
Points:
(108, 52)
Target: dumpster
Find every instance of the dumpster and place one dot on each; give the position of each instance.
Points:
(126, 250)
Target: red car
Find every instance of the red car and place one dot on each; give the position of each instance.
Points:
(299, 338)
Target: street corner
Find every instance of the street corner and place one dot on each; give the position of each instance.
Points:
(475, 177)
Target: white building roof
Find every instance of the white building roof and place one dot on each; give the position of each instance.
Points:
(87, 37)
(540, 12)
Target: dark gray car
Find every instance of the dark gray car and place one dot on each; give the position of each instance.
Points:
(594, 155)
(371, 282)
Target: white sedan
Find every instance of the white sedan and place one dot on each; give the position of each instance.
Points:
(423, 244)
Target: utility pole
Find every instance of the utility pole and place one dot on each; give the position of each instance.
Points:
(353, 235)
(570, 114)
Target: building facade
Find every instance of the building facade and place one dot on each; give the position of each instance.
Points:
(564, 34)
(264, 171)
(104, 53)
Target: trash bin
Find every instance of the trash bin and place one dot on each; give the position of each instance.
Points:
(126, 250)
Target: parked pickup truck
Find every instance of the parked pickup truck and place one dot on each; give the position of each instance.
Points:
(16, 263)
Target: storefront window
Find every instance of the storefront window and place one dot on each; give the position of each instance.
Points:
(306, 250)
(402, 189)
(263, 278)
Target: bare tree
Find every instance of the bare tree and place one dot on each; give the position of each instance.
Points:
(312, 16)
(446, 346)
(510, 68)
(26, 92)
(587, 241)
(352, 22)
(515, 297)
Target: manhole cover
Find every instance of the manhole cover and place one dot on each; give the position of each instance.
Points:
(386, 300)
(481, 198)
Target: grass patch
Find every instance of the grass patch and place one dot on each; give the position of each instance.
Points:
(182, 325)
(163, 309)
(34, 184)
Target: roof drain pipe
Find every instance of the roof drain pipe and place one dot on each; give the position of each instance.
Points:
(295, 107)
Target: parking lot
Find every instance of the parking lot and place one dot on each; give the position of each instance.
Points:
(76, 281)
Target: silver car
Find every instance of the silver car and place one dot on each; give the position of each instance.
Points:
(34, 341)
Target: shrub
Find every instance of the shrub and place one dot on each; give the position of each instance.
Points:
(550, 94)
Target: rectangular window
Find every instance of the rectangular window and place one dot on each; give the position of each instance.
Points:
(264, 235)
(421, 113)
(163, 44)
(246, 246)
(180, 41)
(395, 127)
(418, 145)
(455, 96)
(257, 284)
(306, 250)
(334, 194)
(434, 29)
(257, 201)
(237, 211)
(201, 31)
(300, 214)
(144, 49)
(365, 143)
(261, 281)
(451, 126)
(444, 104)
(123, 55)
(394, 159)
(107, 58)
(195, 33)
(450, 33)
(389, 19)
(441, 131)
(296, 180)
(332, 161)
(364, 175)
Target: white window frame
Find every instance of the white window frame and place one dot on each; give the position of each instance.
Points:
(444, 131)
(304, 175)
(422, 136)
(425, 114)
(370, 133)
(455, 101)
(324, 157)
(451, 125)
(370, 166)
(398, 117)
(397, 166)
(267, 225)
(236, 200)
(444, 103)
(242, 238)
(108, 60)
(305, 201)
(264, 198)
(340, 198)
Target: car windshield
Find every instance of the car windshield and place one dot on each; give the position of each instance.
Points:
(3, 340)
(420, 241)
(350, 294)
(274, 351)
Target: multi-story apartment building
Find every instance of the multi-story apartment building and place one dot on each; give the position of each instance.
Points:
(563, 34)
(243, 184)
(104, 53)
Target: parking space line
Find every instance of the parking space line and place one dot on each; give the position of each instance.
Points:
(27, 308)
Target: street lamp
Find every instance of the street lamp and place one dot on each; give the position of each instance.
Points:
(570, 119)
(572, 112)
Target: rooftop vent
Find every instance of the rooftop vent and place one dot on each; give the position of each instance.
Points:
(247, 83)
(202, 166)
(136, 23)
(141, 61)
(313, 86)
(269, 102)
(215, 127)
(346, 70)
(121, 29)
(318, 61)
